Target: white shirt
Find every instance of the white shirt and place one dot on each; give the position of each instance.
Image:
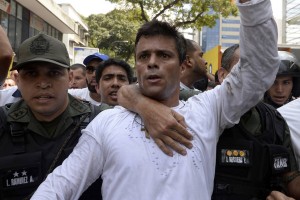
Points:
(134, 168)
(291, 113)
(6, 96)
(83, 94)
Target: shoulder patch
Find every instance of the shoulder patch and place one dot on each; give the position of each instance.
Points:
(15, 115)
(79, 106)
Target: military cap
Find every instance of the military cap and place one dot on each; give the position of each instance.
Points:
(42, 48)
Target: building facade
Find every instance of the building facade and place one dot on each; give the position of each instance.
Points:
(22, 19)
(225, 33)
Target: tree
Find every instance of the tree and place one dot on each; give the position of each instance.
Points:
(114, 33)
(181, 13)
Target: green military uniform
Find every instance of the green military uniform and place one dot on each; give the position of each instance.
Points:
(30, 149)
(253, 155)
(20, 113)
(251, 122)
(185, 94)
(237, 173)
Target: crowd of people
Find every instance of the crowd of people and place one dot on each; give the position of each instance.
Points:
(88, 131)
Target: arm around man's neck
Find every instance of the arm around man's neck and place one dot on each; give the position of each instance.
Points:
(165, 126)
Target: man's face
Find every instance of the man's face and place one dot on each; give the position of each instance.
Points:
(8, 83)
(112, 78)
(13, 74)
(158, 68)
(44, 88)
(78, 78)
(281, 89)
(91, 74)
(198, 62)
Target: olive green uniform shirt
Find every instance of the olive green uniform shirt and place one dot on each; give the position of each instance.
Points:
(20, 112)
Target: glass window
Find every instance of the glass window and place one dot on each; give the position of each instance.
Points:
(19, 11)
(45, 27)
(53, 32)
(36, 22)
(18, 33)
(12, 7)
(25, 24)
(49, 30)
(4, 20)
(231, 21)
(60, 36)
(231, 37)
(232, 29)
(12, 31)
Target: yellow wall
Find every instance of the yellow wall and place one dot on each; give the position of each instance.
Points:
(213, 59)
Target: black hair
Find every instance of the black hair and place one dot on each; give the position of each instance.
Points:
(227, 56)
(201, 84)
(190, 45)
(113, 61)
(155, 27)
(78, 66)
(217, 82)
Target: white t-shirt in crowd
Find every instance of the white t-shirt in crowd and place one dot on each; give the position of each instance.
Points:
(83, 94)
(6, 96)
(291, 113)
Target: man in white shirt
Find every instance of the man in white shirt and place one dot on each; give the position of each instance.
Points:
(291, 113)
(116, 145)
(89, 93)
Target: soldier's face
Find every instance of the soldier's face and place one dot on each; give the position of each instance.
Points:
(281, 89)
(44, 88)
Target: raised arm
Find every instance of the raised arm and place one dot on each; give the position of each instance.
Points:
(163, 124)
(256, 70)
(6, 55)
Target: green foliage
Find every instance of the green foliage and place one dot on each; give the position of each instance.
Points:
(181, 13)
(114, 33)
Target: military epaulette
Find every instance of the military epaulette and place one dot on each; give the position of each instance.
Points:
(80, 105)
(105, 106)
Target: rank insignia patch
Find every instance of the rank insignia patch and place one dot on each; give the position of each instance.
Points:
(20, 177)
(235, 157)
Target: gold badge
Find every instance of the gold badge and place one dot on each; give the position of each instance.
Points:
(229, 153)
(242, 153)
(235, 152)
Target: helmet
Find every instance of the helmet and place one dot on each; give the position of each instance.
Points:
(289, 64)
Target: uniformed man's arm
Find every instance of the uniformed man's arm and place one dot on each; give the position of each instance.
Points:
(164, 125)
(6, 55)
(186, 94)
(275, 195)
(292, 181)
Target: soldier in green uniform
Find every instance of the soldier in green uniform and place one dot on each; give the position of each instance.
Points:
(38, 132)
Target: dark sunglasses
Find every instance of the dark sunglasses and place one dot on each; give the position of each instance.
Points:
(90, 69)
